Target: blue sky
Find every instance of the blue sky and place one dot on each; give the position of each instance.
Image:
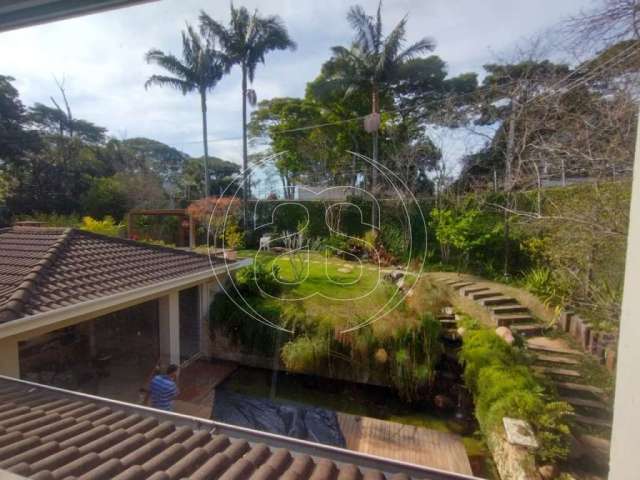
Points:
(101, 58)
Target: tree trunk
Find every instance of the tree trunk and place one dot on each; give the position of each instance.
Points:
(203, 103)
(245, 160)
(375, 100)
(508, 181)
(374, 107)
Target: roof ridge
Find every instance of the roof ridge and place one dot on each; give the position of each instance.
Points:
(137, 243)
(14, 305)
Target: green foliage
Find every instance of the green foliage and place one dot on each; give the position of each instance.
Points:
(53, 219)
(580, 240)
(233, 236)
(466, 230)
(106, 196)
(541, 282)
(417, 351)
(106, 226)
(259, 277)
(393, 237)
(306, 354)
(503, 385)
(242, 329)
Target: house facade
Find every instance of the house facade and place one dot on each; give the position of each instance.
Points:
(67, 293)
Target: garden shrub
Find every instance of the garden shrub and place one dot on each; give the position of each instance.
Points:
(541, 282)
(502, 385)
(306, 354)
(241, 329)
(257, 278)
(233, 236)
(106, 226)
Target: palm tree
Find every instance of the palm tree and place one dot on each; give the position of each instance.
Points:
(245, 42)
(373, 61)
(199, 70)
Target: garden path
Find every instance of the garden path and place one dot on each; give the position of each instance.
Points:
(553, 356)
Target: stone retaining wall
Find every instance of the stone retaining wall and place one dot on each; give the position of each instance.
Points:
(513, 462)
(602, 345)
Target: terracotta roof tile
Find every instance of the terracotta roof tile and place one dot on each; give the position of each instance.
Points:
(61, 435)
(42, 269)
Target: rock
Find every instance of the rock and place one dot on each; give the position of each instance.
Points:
(345, 270)
(548, 472)
(506, 334)
(448, 310)
(400, 283)
(519, 432)
(461, 331)
(381, 356)
(396, 275)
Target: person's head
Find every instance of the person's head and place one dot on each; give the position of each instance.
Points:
(172, 371)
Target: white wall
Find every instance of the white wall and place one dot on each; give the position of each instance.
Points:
(625, 452)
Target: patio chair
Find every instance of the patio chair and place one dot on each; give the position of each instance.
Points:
(265, 240)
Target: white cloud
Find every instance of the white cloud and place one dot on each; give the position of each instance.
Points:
(101, 57)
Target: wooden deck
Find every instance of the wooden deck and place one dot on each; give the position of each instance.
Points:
(406, 443)
(197, 386)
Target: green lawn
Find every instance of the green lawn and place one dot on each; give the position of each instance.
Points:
(346, 293)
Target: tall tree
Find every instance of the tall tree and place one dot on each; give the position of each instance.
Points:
(246, 41)
(199, 70)
(374, 60)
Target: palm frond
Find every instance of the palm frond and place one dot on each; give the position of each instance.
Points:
(364, 28)
(378, 32)
(166, 81)
(167, 61)
(423, 45)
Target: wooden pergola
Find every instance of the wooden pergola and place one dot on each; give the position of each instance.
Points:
(164, 212)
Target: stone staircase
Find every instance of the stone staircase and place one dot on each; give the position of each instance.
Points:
(557, 362)
(561, 366)
(505, 311)
(447, 320)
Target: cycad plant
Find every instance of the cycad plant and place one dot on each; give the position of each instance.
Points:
(199, 70)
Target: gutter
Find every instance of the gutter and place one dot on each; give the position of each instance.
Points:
(93, 308)
(18, 14)
(317, 450)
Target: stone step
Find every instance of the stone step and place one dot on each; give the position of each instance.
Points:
(527, 329)
(502, 300)
(450, 334)
(579, 387)
(557, 351)
(584, 402)
(503, 309)
(473, 289)
(507, 319)
(592, 421)
(557, 359)
(448, 323)
(444, 316)
(557, 372)
(483, 295)
(459, 285)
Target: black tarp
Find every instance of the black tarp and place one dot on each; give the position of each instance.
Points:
(292, 420)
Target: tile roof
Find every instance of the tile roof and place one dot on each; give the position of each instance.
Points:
(48, 433)
(43, 269)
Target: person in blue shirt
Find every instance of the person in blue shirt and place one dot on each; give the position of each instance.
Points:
(163, 389)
